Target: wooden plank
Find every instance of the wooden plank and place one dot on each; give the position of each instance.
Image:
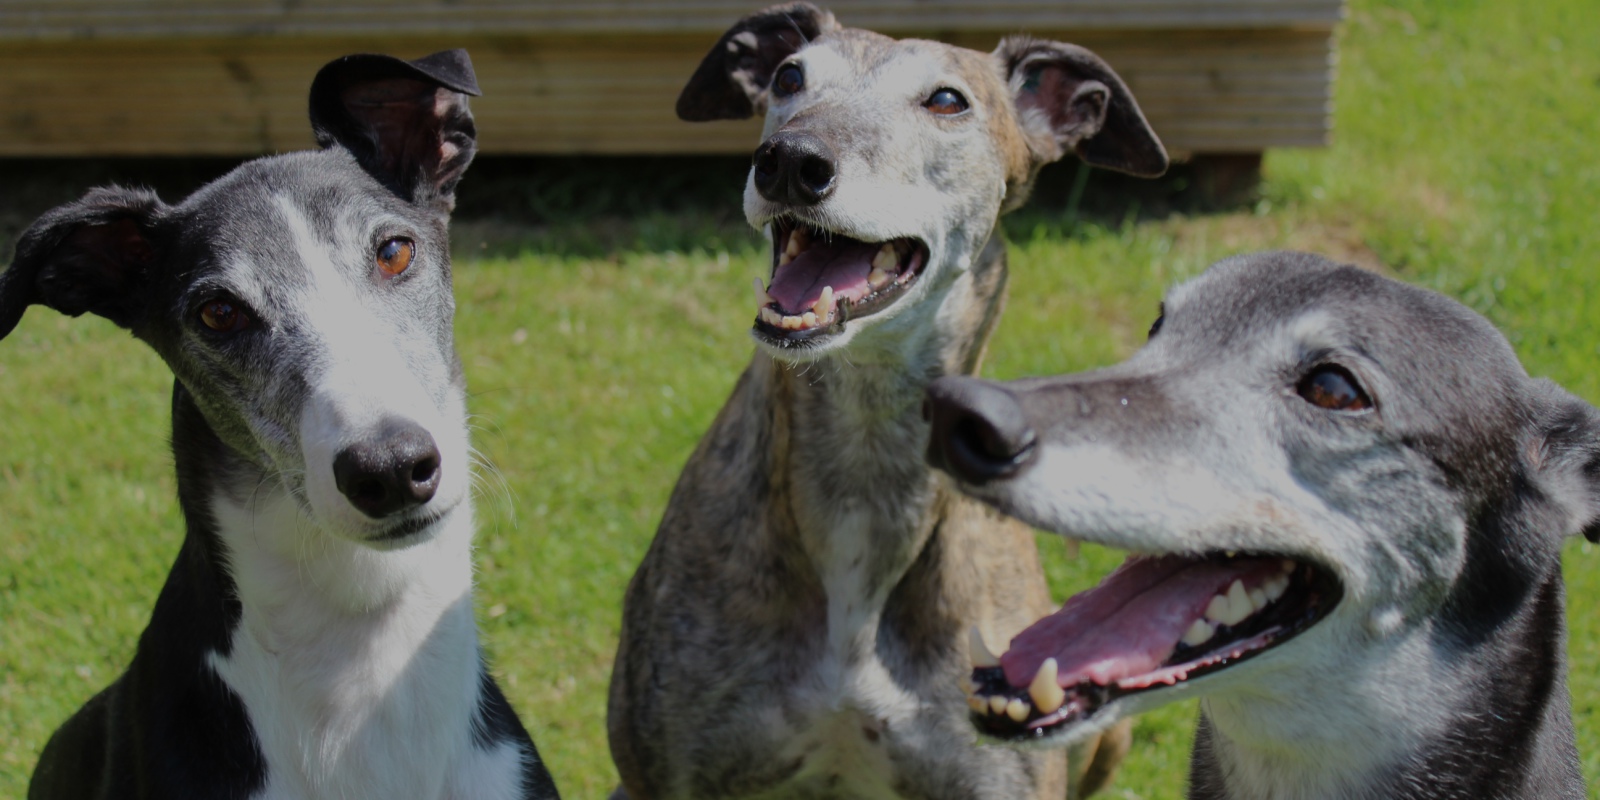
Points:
(103, 19)
(1220, 91)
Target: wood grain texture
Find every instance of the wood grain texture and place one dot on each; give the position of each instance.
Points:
(199, 77)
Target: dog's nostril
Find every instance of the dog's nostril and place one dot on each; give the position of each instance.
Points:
(424, 470)
(986, 442)
(817, 173)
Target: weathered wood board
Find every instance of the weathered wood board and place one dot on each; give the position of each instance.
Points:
(209, 77)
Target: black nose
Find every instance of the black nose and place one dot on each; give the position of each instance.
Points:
(794, 167)
(396, 470)
(979, 431)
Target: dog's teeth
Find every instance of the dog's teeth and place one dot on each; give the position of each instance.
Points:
(1217, 609)
(1230, 553)
(762, 298)
(797, 242)
(878, 279)
(784, 258)
(997, 705)
(1017, 710)
(967, 688)
(1276, 587)
(824, 304)
(1288, 565)
(1047, 696)
(1258, 599)
(886, 259)
(809, 319)
(771, 317)
(1199, 633)
(977, 703)
(1239, 606)
(792, 323)
(978, 651)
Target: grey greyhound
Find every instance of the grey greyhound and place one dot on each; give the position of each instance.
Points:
(1346, 502)
(315, 637)
(800, 625)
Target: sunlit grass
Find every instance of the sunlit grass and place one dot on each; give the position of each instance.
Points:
(1465, 159)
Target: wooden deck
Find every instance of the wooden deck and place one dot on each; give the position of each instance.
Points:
(210, 77)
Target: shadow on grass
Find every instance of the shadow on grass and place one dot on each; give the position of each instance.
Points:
(600, 207)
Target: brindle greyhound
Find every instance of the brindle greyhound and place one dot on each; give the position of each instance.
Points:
(799, 627)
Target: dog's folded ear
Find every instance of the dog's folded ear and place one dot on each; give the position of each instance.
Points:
(406, 122)
(93, 255)
(732, 80)
(1566, 458)
(1071, 100)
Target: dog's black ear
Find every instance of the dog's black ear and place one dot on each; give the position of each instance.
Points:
(732, 80)
(1565, 454)
(406, 122)
(93, 255)
(1069, 99)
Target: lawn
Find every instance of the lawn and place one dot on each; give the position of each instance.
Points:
(1466, 158)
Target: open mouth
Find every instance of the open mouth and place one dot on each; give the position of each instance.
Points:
(1155, 622)
(821, 280)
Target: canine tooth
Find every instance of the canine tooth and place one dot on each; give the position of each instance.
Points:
(784, 258)
(1230, 553)
(1238, 604)
(977, 703)
(762, 298)
(978, 651)
(886, 259)
(824, 304)
(1047, 696)
(1199, 633)
(878, 279)
(809, 319)
(966, 686)
(997, 705)
(1017, 710)
(1258, 598)
(791, 323)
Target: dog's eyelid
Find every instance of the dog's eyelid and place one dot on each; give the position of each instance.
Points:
(1333, 386)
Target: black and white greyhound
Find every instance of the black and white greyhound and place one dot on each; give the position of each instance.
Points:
(315, 637)
(1345, 502)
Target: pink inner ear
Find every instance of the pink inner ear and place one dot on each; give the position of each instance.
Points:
(403, 121)
(1054, 92)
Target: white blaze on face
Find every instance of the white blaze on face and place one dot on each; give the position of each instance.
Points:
(360, 380)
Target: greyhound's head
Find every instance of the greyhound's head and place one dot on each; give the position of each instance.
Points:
(885, 164)
(303, 301)
(1326, 478)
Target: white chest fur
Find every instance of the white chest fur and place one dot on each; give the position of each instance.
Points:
(854, 707)
(358, 669)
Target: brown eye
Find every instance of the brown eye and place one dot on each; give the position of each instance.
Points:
(946, 102)
(1334, 388)
(788, 81)
(223, 316)
(395, 255)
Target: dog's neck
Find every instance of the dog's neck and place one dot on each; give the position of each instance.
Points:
(1491, 720)
(849, 439)
(359, 669)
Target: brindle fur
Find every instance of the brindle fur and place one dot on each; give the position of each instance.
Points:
(798, 627)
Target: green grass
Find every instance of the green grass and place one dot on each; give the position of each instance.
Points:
(1466, 158)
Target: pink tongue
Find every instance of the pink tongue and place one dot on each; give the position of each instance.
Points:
(1129, 624)
(843, 264)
